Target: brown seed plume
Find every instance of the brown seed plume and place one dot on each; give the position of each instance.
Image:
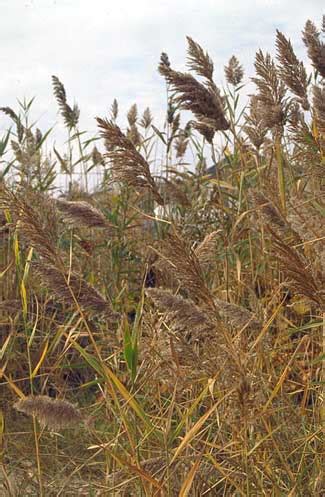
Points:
(203, 100)
(319, 109)
(254, 126)
(70, 287)
(198, 60)
(70, 115)
(206, 250)
(272, 93)
(128, 165)
(183, 264)
(36, 220)
(82, 213)
(114, 109)
(236, 315)
(315, 47)
(55, 414)
(234, 71)
(297, 268)
(183, 314)
(291, 70)
(270, 214)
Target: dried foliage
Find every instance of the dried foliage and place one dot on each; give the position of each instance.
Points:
(208, 378)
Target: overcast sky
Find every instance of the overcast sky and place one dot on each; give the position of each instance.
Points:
(106, 49)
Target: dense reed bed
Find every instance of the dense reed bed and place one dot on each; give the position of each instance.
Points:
(163, 334)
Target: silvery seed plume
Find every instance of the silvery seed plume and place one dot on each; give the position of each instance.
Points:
(55, 414)
(198, 60)
(146, 119)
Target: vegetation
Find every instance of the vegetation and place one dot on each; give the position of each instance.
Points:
(163, 335)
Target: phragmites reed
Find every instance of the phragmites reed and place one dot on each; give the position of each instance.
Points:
(206, 250)
(237, 316)
(315, 47)
(319, 109)
(70, 115)
(114, 110)
(254, 126)
(299, 271)
(55, 414)
(181, 141)
(234, 71)
(198, 60)
(132, 115)
(38, 226)
(182, 263)
(146, 119)
(10, 113)
(70, 288)
(183, 314)
(132, 132)
(36, 221)
(174, 193)
(128, 165)
(272, 93)
(291, 70)
(203, 100)
(270, 214)
(82, 213)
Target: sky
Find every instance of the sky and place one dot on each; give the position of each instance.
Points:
(106, 49)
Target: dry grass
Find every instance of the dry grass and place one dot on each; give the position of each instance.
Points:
(192, 342)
